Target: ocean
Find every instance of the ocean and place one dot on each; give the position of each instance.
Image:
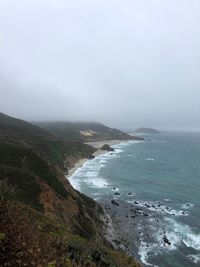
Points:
(156, 184)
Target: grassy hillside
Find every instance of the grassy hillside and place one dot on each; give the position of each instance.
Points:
(24, 158)
(84, 131)
(54, 150)
(43, 220)
(16, 129)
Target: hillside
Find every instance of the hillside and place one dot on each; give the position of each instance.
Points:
(43, 220)
(42, 142)
(147, 130)
(15, 129)
(84, 131)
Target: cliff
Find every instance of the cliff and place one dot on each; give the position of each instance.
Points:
(43, 220)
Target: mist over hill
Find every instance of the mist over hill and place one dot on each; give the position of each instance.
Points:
(84, 131)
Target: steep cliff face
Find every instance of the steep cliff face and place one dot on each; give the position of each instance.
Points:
(30, 175)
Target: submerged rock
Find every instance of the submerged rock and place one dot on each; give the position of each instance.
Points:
(114, 202)
(166, 240)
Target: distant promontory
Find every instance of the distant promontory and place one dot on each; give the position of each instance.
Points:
(147, 130)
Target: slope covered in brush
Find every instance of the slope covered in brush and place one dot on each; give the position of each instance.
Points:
(43, 220)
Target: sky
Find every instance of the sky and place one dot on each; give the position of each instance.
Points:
(124, 63)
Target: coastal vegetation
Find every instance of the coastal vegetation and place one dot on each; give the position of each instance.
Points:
(43, 220)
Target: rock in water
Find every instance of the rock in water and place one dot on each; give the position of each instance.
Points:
(107, 147)
(114, 202)
(166, 240)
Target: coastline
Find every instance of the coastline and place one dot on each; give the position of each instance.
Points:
(144, 219)
(97, 153)
(113, 222)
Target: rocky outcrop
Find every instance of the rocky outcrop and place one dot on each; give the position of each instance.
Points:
(107, 148)
(115, 203)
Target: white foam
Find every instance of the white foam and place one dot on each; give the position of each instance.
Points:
(194, 258)
(192, 240)
(143, 253)
(96, 182)
(75, 183)
(89, 172)
(150, 159)
(116, 189)
(183, 234)
(161, 208)
(177, 234)
(187, 206)
(172, 236)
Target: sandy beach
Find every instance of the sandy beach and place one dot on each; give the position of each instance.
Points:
(99, 152)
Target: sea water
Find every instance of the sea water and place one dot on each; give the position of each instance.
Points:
(161, 174)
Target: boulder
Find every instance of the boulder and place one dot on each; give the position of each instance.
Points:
(166, 240)
(114, 202)
(91, 156)
(107, 147)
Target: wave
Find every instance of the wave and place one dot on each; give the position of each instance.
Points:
(97, 182)
(178, 234)
(89, 173)
(143, 252)
(187, 206)
(75, 183)
(159, 207)
(164, 227)
(184, 234)
(194, 258)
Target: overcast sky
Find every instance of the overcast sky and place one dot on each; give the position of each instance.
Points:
(126, 63)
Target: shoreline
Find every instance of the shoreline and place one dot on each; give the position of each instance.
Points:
(112, 220)
(97, 153)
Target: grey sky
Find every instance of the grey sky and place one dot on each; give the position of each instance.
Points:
(125, 63)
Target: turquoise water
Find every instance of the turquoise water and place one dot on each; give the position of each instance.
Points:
(163, 173)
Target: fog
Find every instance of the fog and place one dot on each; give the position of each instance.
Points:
(125, 63)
